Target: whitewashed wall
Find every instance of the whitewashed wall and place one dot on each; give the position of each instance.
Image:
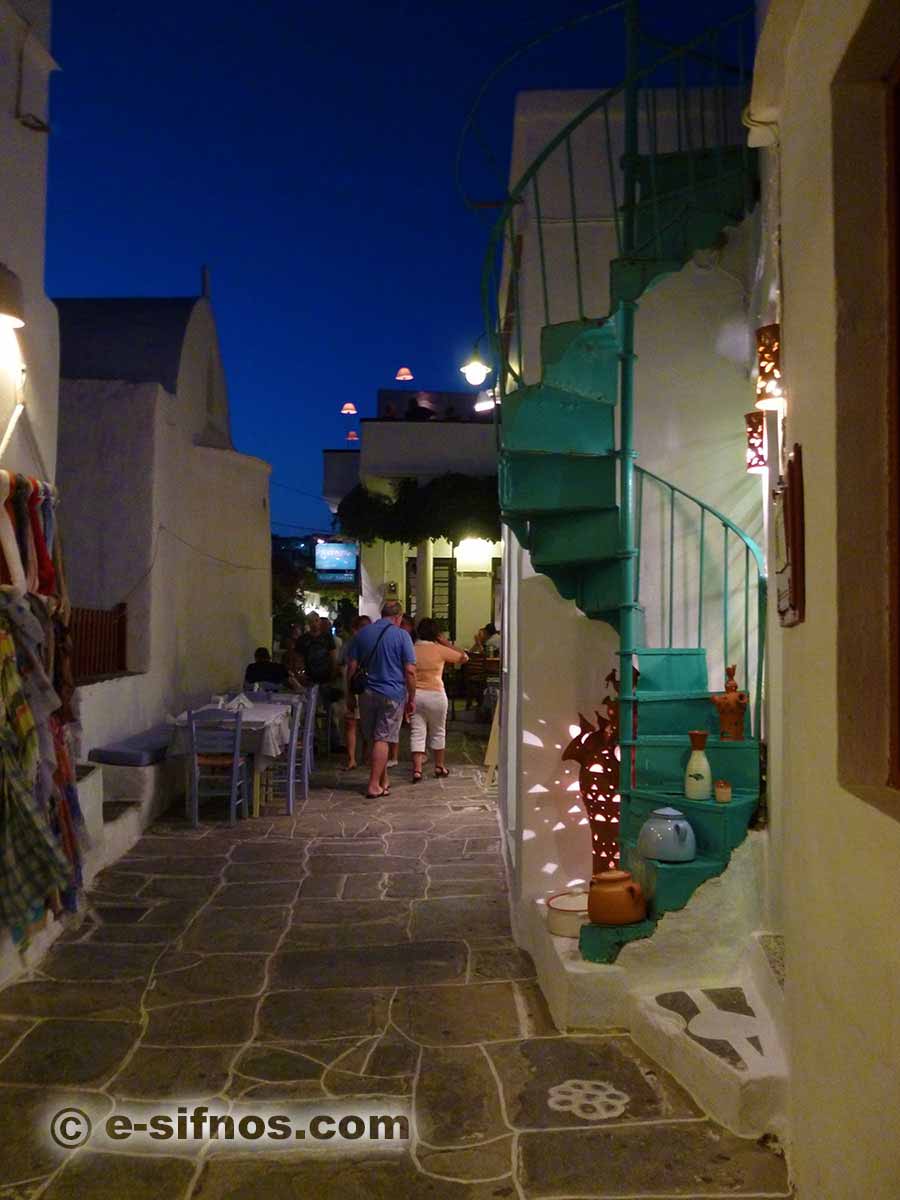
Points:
(23, 167)
(177, 529)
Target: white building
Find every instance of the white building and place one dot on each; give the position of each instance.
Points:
(162, 514)
(459, 584)
(824, 108)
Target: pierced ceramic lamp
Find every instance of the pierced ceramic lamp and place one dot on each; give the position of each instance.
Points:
(12, 298)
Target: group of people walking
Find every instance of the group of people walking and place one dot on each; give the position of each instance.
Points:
(391, 678)
(385, 673)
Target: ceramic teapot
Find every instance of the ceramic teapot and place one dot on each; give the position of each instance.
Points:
(615, 899)
(667, 837)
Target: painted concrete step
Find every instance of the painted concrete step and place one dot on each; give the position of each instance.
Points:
(562, 539)
(718, 828)
(582, 357)
(660, 761)
(532, 482)
(721, 1044)
(668, 670)
(540, 417)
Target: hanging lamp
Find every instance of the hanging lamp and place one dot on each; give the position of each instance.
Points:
(349, 409)
(769, 381)
(404, 375)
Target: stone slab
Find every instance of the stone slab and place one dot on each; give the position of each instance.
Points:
(694, 1159)
(371, 966)
(461, 917)
(69, 1053)
(457, 1101)
(301, 1016)
(91, 1176)
(206, 1022)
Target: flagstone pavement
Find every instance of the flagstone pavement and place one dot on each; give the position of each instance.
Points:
(355, 958)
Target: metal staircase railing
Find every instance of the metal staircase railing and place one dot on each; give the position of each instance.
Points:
(715, 580)
(703, 83)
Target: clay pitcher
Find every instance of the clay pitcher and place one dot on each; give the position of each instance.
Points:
(732, 705)
(615, 899)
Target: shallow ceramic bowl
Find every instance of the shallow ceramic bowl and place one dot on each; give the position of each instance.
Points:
(566, 913)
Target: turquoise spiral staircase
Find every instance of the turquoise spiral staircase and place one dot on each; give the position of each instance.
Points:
(569, 485)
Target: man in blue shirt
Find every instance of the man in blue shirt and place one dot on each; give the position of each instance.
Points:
(386, 652)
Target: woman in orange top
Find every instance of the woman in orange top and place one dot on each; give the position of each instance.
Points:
(429, 722)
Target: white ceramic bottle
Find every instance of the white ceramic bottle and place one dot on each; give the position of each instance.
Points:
(698, 775)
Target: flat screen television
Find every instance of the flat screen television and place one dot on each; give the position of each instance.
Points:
(336, 556)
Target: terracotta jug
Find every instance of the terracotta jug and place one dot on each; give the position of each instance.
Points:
(732, 706)
(615, 899)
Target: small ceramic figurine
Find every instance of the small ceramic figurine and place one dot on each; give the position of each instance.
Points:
(615, 899)
(698, 775)
(732, 706)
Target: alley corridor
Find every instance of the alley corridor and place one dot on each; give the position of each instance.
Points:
(354, 958)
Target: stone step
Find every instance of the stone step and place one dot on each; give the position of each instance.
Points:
(722, 1046)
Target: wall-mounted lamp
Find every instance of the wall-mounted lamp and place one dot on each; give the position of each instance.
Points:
(486, 400)
(770, 395)
(404, 375)
(12, 298)
(757, 459)
(349, 409)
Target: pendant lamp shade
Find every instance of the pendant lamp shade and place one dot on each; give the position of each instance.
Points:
(352, 436)
(12, 298)
(349, 409)
(404, 375)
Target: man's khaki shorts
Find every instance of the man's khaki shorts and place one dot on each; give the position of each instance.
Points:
(380, 717)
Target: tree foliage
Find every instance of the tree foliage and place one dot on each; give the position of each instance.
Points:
(453, 506)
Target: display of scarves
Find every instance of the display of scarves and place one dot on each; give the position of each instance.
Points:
(33, 868)
(42, 830)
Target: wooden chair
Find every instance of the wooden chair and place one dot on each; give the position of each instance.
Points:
(217, 766)
(296, 760)
(475, 676)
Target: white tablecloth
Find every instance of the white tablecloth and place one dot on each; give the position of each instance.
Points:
(265, 730)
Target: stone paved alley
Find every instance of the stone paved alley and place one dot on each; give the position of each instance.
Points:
(357, 953)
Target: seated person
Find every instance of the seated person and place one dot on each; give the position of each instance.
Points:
(487, 641)
(268, 674)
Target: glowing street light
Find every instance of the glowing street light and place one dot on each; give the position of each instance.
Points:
(475, 371)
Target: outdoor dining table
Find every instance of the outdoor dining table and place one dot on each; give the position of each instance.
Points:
(265, 732)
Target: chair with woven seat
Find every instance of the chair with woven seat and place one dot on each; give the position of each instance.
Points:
(217, 766)
(294, 764)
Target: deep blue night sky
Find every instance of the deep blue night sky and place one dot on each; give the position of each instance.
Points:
(306, 153)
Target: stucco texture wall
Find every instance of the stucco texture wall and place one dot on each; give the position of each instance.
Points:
(841, 899)
(161, 513)
(23, 166)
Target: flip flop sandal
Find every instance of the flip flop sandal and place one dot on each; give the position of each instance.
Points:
(378, 795)
(441, 772)
(417, 777)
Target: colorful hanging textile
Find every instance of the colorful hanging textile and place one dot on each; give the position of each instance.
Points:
(32, 867)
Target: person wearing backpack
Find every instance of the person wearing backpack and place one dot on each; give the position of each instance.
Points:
(381, 670)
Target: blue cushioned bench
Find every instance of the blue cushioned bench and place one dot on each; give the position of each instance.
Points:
(140, 750)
